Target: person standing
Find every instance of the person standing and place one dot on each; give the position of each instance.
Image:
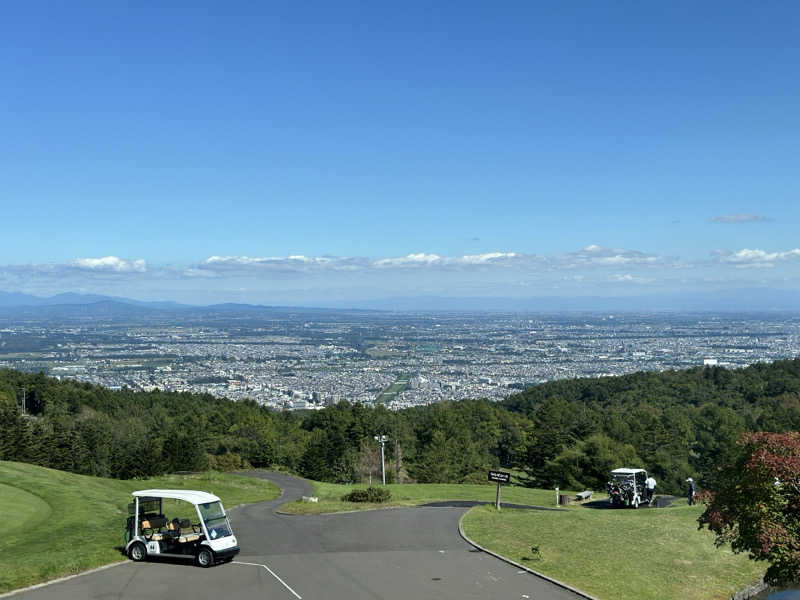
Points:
(650, 483)
(691, 491)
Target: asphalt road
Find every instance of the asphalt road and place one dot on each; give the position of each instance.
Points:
(393, 554)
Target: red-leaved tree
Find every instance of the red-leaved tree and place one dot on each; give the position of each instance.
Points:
(755, 503)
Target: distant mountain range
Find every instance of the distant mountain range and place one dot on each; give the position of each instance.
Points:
(71, 305)
(741, 300)
(17, 299)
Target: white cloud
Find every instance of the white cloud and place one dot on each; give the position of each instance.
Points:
(411, 260)
(590, 257)
(755, 258)
(103, 267)
(628, 278)
(592, 267)
(498, 267)
(293, 263)
(301, 263)
(598, 256)
(482, 259)
(434, 260)
(193, 272)
(110, 263)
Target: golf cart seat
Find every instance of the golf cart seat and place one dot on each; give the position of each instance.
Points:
(152, 525)
(183, 530)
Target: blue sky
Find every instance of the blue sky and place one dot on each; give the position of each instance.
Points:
(287, 152)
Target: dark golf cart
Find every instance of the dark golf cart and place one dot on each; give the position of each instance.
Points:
(627, 488)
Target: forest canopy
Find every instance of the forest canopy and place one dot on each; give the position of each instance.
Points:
(568, 433)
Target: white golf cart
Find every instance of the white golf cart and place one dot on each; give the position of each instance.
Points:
(150, 533)
(627, 488)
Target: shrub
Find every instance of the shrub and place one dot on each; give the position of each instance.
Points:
(230, 461)
(476, 478)
(372, 494)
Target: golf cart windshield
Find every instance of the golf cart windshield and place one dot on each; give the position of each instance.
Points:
(619, 477)
(215, 520)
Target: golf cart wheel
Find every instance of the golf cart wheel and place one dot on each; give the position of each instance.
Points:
(205, 558)
(137, 552)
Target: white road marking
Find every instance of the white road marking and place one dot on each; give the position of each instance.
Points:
(271, 572)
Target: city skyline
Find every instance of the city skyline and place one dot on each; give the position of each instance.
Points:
(298, 359)
(274, 154)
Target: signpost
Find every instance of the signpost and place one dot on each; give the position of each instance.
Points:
(499, 477)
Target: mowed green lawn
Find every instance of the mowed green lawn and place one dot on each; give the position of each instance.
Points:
(54, 523)
(413, 494)
(618, 554)
(20, 510)
(613, 554)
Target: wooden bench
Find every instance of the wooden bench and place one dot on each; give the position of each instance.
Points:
(584, 495)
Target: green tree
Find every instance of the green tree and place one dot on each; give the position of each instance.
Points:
(587, 464)
(97, 432)
(554, 421)
(435, 464)
(755, 503)
(716, 430)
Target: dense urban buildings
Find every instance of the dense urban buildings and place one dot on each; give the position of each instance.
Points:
(305, 359)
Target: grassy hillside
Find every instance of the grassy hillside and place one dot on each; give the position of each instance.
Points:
(56, 523)
(618, 554)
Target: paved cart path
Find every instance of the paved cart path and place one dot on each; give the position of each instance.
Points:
(392, 554)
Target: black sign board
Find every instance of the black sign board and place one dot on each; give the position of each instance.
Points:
(499, 476)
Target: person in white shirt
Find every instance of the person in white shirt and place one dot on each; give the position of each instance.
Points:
(650, 483)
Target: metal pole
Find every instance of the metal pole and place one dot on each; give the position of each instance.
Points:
(383, 464)
(382, 439)
(497, 499)
(136, 517)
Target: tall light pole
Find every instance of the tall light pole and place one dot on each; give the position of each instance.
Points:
(382, 439)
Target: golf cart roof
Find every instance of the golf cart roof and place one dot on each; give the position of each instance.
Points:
(626, 471)
(191, 496)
